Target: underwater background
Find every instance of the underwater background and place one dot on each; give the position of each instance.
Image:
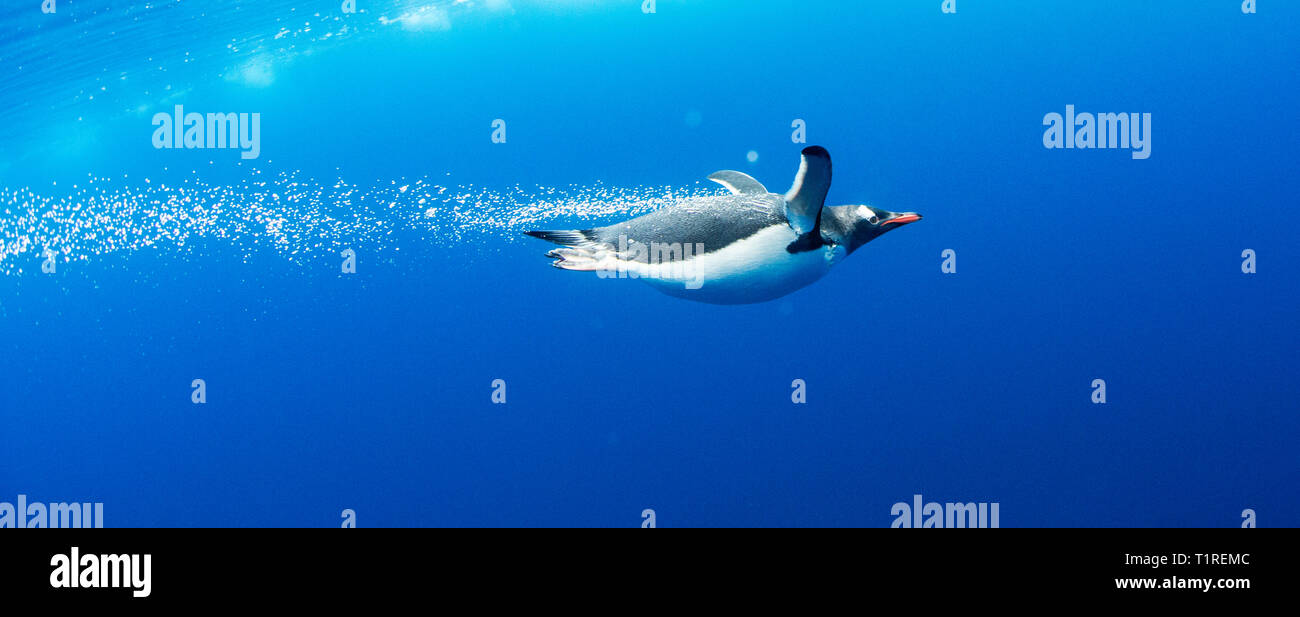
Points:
(373, 391)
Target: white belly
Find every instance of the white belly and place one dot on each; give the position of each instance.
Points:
(755, 269)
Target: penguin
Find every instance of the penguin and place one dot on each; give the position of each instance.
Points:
(747, 246)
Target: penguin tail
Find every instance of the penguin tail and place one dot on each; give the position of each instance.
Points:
(565, 237)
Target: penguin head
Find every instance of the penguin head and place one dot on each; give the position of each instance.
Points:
(863, 224)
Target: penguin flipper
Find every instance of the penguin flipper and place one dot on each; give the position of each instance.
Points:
(803, 204)
(580, 251)
(739, 183)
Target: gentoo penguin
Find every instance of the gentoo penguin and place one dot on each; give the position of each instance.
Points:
(748, 246)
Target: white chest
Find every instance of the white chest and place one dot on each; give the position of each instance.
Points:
(755, 269)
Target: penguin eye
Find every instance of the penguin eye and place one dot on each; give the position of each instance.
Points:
(868, 214)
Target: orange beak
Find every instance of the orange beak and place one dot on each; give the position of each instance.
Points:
(904, 218)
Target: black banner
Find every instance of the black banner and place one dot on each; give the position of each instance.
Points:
(156, 567)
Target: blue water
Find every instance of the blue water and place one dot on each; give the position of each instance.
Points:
(373, 391)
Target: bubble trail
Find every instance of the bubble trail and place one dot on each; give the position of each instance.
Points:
(294, 217)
